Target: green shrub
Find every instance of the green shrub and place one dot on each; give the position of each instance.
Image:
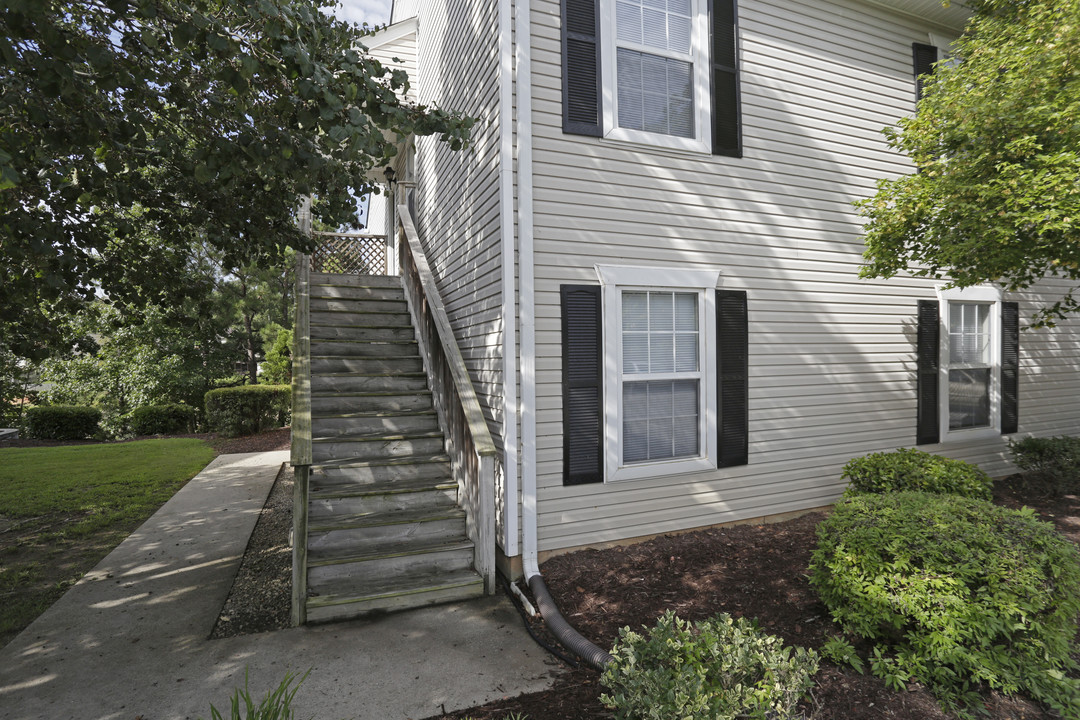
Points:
(275, 705)
(1054, 461)
(248, 409)
(954, 592)
(166, 419)
(62, 422)
(911, 469)
(712, 670)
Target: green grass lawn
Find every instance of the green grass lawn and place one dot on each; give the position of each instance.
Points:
(64, 508)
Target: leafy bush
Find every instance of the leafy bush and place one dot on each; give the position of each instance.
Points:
(911, 469)
(62, 422)
(715, 669)
(1054, 461)
(954, 592)
(248, 409)
(163, 419)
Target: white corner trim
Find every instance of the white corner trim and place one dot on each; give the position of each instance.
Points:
(509, 290)
(526, 289)
(634, 275)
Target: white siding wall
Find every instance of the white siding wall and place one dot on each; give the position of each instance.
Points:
(458, 193)
(832, 358)
(399, 53)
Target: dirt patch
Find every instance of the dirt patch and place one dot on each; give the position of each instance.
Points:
(747, 571)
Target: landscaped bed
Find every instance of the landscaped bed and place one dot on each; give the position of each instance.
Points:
(747, 571)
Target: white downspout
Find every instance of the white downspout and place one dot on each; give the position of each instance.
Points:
(509, 292)
(567, 635)
(526, 306)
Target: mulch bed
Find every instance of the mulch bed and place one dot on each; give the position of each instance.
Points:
(750, 571)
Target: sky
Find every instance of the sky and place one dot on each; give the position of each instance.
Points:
(373, 12)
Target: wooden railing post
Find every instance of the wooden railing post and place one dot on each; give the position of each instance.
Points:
(301, 436)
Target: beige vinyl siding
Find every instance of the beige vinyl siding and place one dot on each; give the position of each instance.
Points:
(398, 53)
(832, 357)
(457, 207)
(457, 193)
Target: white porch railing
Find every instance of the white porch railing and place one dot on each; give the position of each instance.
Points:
(472, 452)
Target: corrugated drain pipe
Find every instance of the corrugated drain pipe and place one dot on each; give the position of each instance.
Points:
(570, 638)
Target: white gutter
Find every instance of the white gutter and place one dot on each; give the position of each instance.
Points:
(526, 305)
(506, 222)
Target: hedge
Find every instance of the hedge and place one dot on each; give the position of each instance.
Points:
(163, 419)
(248, 409)
(62, 422)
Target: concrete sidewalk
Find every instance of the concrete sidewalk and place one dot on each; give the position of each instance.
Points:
(130, 639)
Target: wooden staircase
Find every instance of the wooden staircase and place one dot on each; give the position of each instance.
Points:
(384, 527)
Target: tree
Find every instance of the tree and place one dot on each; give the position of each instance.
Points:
(134, 131)
(996, 144)
(135, 363)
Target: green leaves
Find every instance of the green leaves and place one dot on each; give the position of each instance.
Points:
(721, 668)
(997, 195)
(952, 592)
(180, 124)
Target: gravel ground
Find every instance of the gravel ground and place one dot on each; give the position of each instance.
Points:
(261, 596)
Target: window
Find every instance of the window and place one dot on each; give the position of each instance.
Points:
(655, 71)
(652, 71)
(659, 383)
(654, 375)
(661, 371)
(968, 365)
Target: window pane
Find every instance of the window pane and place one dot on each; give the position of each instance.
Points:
(686, 311)
(661, 311)
(630, 96)
(969, 398)
(661, 352)
(969, 334)
(686, 352)
(654, 94)
(654, 23)
(635, 311)
(661, 420)
(628, 21)
(635, 353)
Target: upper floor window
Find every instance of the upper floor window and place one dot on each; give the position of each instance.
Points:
(656, 73)
(661, 72)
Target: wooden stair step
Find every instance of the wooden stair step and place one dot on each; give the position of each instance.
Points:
(380, 487)
(410, 591)
(378, 550)
(351, 522)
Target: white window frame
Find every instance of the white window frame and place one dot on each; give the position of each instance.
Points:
(699, 52)
(614, 280)
(983, 296)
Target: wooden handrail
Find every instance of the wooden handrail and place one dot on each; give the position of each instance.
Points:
(478, 426)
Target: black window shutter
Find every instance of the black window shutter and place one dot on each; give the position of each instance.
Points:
(924, 57)
(732, 369)
(927, 349)
(726, 129)
(1010, 367)
(583, 395)
(581, 67)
